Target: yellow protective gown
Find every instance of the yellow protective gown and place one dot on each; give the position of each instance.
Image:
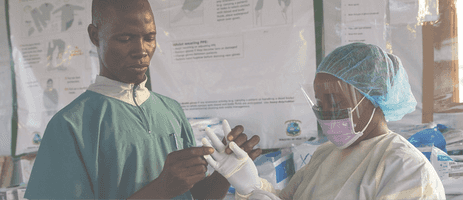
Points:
(383, 167)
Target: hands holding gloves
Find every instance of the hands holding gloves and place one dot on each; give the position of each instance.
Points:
(237, 167)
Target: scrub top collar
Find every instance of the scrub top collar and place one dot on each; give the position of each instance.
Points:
(122, 91)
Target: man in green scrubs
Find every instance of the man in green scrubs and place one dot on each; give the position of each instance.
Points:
(117, 139)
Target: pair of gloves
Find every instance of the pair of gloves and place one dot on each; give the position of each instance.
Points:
(238, 168)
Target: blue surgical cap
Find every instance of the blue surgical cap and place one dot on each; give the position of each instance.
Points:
(377, 74)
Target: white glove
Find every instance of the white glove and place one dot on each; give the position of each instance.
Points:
(263, 195)
(237, 168)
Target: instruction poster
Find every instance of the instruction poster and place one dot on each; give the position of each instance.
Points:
(364, 21)
(242, 60)
(51, 52)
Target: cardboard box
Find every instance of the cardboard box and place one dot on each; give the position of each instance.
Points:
(6, 171)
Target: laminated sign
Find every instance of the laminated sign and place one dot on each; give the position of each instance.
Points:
(54, 62)
(240, 60)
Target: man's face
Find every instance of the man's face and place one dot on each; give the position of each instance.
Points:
(126, 44)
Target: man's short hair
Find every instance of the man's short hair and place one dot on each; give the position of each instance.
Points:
(99, 7)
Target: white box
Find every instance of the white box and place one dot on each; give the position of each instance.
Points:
(23, 166)
(21, 192)
(7, 194)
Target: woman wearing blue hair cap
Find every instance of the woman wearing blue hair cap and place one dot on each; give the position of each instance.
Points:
(358, 87)
(376, 74)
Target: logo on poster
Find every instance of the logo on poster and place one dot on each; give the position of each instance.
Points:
(292, 128)
(36, 139)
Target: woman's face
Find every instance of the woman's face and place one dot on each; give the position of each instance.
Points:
(331, 94)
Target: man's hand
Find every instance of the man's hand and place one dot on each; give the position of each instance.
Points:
(237, 168)
(181, 171)
(216, 186)
(236, 135)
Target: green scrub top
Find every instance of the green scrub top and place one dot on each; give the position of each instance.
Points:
(99, 147)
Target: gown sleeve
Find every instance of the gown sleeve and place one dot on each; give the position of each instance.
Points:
(266, 190)
(407, 176)
(59, 171)
(296, 180)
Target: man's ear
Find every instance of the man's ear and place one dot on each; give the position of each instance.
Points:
(93, 34)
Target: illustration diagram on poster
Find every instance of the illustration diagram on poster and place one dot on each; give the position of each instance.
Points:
(50, 98)
(55, 55)
(40, 15)
(190, 12)
(48, 18)
(272, 12)
(67, 15)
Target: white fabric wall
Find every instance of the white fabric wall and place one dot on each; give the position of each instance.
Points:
(6, 100)
(408, 46)
(406, 42)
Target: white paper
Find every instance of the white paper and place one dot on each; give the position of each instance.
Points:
(259, 53)
(413, 11)
(240, 60)
(364, 21)
(51, 52)
(404, 11)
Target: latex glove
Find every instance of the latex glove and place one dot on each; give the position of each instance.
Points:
(226, 130)
(237, 168)
(263, 195)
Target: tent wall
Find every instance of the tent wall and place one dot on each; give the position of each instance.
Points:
(6, 99)
(403, 36)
